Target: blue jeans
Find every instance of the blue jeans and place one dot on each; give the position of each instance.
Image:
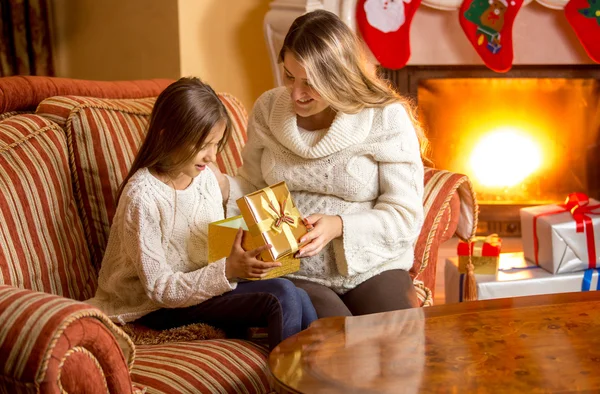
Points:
(275, 303)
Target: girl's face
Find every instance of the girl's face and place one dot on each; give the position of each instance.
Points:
(307, 102)
(208, 152)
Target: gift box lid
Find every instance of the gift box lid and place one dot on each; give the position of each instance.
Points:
(480, 246)
(272, 217)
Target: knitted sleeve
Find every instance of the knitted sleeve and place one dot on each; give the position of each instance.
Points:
(388, 231)
(165, 286)
(250, 177)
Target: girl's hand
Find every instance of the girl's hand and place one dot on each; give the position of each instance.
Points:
(325, 229)
(244, 264)
(223, 181)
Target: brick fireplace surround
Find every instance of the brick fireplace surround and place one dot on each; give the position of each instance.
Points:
(545, 46)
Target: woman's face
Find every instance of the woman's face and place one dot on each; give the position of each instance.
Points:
(307, 102)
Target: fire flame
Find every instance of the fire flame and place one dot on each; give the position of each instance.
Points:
(505, 157)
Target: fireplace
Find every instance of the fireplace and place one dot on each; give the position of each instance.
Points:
(547, 105)
(526, 137)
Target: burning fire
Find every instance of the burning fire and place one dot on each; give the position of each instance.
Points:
(505, 157)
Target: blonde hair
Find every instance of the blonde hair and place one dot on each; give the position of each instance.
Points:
(337, 69)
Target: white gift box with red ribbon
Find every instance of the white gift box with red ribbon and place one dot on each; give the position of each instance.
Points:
(517, 277)
(563, 237)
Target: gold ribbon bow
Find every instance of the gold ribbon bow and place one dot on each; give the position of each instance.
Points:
(283, 216)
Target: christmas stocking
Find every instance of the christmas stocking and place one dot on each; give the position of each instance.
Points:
(385, 27)
(488, 26)
(584, 18)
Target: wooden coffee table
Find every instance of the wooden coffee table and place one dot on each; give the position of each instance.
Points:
(548, 343)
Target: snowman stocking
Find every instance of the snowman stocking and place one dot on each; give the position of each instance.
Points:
(385, 27)
(584, 18)
(488, 26)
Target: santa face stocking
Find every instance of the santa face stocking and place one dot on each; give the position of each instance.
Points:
(488, 26)
(385, 27)
(584, 18)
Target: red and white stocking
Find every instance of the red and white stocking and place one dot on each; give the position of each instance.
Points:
(385, 27)
(488, 26)
(584, 18)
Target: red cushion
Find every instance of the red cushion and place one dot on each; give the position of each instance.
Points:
(42, 243)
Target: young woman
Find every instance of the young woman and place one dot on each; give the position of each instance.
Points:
(155, 267)
(349, 150)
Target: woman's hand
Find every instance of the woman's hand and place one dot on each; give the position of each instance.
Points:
(223, 181)
(325, 229)
(244, 264)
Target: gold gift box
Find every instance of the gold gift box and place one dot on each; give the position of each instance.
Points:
(221, 236)
(273, 218)
(482, 265)
(483, 252)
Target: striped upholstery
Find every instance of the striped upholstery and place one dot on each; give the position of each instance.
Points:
(445, 193)
(49, 342)
(7, 115)
(104, 135)
(211, 366)
(230, 158)
(42, 244)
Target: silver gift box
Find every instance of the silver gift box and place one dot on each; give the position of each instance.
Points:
(561, 248)
(516, 278)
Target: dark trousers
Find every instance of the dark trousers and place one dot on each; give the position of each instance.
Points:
(389, 291)
(273, 303)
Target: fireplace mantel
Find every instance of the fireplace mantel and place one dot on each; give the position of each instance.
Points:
(541, 36)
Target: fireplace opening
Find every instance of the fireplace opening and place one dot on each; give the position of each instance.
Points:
(527, 137)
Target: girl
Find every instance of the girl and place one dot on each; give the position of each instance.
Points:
(349, 148)
(155, 267)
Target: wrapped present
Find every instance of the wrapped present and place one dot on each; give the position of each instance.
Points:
(517, 277)
(483, 252)
(564, 237)
(273, 218)
(221, 236)
(493, 47)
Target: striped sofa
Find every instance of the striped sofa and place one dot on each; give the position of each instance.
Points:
(65, 146)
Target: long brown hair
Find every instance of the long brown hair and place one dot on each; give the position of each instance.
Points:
(336, 66)
(182, 117)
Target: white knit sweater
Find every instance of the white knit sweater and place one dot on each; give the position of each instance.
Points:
(367, 169)
(158, 248)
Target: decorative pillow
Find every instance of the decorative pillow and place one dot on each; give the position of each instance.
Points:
(42, 243)
(104, 136)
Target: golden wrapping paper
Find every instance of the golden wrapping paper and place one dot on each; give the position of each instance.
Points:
(273, 218)
(485, 255)
(221, 236)
(482, 265)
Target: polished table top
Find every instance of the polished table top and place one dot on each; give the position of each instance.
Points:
(548, 343)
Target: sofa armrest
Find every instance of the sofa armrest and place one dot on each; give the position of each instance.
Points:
(50, 343)
(451, 209)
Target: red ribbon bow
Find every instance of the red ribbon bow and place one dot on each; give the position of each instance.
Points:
(578, 204)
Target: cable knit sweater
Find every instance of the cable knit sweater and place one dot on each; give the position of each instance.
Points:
(366, 168)
(158, 248)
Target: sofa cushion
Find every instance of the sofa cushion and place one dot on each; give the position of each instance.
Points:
(42, 243)
(230, 159)
(103, 137)
(211, 366)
